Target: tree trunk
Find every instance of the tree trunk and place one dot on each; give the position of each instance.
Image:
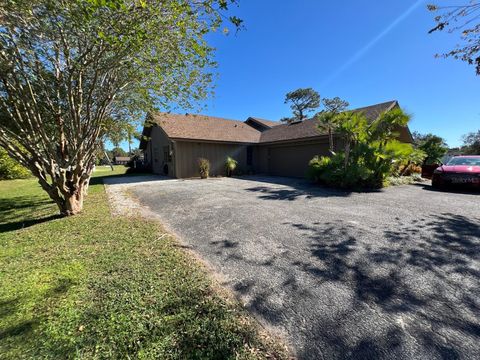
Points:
(108, 159)
(67, 190)
(330, 138)
(347, 153)
(73, 204)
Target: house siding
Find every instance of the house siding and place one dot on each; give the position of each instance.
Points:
(188, 152)
(156, 153)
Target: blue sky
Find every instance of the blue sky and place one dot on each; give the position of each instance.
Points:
(363, 51)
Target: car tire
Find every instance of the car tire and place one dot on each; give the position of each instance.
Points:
(435, 184)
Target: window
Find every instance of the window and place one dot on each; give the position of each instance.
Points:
(249, 156)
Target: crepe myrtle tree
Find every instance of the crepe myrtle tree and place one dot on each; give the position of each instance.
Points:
(71, 69)
(464, 19)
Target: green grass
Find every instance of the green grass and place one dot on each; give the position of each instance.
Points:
(97, 287)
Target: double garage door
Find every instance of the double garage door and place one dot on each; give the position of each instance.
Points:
(292, 160)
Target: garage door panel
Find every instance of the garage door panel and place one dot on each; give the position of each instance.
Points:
(293, 160)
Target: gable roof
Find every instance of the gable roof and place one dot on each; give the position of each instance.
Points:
(309, 128)
(207, 128)
(266, 123)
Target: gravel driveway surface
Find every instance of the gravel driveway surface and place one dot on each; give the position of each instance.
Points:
(381, 275)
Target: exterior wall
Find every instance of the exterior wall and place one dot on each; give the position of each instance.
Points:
(285, 159)
(262, 160)
(156, 155)
(188, 152)
(292, 159)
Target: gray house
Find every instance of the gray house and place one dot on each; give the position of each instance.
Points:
(174, 143)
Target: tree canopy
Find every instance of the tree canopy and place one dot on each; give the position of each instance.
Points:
(434, 146)
(471, 143)
(302, 102)
(71, 70)
(328, 116)
(465, 20)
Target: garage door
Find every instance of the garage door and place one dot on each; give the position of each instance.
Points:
(292, 160)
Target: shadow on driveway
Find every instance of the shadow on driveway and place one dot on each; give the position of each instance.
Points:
(420, 289)
(292, 188)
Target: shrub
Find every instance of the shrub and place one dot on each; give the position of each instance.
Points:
(371, 152)
(204, 167)
(230, 165)
(11, 169)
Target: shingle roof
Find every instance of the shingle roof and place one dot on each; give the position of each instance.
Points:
(309, 128)
(201, 127)
(268, 123)
(208, 128)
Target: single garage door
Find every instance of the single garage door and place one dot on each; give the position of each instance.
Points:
(292, 160)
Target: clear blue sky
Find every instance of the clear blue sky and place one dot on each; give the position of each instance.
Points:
(363, 51)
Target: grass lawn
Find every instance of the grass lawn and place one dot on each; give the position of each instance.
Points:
(94, 286)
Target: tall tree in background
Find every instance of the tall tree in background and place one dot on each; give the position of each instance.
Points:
(327, 117)
(466, 20)
(71, 68)
(471, 143)
(302, 102)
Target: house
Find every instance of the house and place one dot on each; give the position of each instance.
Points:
(173, 143)
(121, 160)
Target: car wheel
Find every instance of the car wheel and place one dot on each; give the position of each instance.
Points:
(435, 184)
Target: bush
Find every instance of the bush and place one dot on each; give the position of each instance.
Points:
(230, 165)
(11, 169)
(204, 167)
(370, 152)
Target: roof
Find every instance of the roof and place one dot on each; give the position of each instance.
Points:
(207, 128)
(309, 128)
(122, 158)
(267, 123)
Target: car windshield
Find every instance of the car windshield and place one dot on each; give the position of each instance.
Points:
(469, 161)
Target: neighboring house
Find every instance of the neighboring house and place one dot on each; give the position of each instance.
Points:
(174, 143)
(121, 160)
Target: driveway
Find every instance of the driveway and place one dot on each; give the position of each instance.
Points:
(393, 274)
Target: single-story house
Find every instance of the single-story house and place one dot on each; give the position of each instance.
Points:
(121, 160)
(173, 143)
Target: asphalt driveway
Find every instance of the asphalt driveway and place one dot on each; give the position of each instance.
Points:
(382, 275)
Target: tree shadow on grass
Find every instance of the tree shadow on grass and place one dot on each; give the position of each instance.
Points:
(23, 211)
(125, 178)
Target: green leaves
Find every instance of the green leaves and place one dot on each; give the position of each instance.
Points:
(432, 145)
(69, 69)
(302, 102)
(370, 153)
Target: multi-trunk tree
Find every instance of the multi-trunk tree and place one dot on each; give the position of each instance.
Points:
(71, 69)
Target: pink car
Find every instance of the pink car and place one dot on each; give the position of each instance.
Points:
(460, 170)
